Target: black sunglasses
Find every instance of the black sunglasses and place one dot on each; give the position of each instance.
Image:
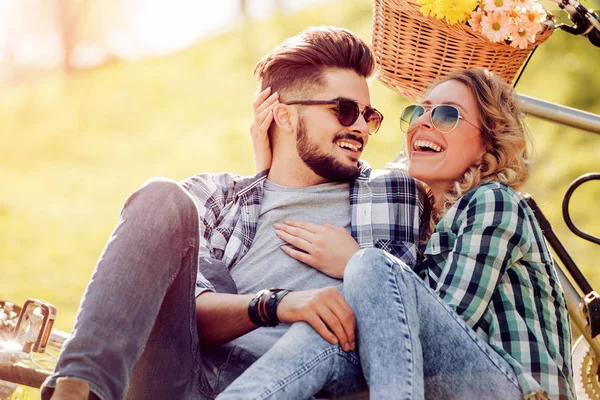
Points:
(444, 117)
(348, 112)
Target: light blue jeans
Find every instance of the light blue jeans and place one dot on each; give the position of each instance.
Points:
(411, 346)
(135, 334)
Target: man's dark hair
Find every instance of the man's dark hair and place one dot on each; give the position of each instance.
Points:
(298, 63)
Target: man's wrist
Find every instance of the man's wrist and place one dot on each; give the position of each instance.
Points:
(262, 309)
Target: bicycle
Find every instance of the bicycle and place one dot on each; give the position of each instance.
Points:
(29, 345)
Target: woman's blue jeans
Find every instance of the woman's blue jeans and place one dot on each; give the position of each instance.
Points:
(411, 345)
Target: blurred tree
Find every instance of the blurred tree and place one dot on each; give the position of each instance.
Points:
(70, 15)
(41, 34)
(245, 5)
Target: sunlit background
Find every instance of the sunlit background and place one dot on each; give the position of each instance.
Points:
(97, 96)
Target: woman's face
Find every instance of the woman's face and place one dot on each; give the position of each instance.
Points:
(440, 159)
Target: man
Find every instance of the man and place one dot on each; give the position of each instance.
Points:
(171, 310)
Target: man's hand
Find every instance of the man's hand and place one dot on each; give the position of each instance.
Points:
(325, 310)
(326, 247)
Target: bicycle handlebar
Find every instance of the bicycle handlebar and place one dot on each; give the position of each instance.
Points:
(565, 206)
(585, 22)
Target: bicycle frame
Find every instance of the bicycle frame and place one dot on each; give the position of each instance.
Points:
(578, 298)
(560, 114)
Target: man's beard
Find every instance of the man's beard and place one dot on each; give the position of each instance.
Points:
(324, 165)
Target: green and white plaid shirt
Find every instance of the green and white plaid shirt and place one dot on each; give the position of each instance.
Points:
(488, 260)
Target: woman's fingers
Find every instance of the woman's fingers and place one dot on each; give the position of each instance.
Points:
(298, 255)
(264, 126)
(261, 98)
(307, 226)
(297, 231)
(266, 104)
(297, 241)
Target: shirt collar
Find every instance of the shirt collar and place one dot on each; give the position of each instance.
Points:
(243, 184)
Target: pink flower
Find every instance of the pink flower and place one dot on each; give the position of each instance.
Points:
(475, 20)
(521, 36)
(533, 14)
(498, 5)
(495, 26)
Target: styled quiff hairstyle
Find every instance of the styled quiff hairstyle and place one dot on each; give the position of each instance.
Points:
(298, 63)
(502, 131)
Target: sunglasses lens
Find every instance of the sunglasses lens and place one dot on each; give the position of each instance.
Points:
(373, 118)
(408, 118)
(444, 118)
(347, 112)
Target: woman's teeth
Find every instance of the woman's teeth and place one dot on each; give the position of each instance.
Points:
(421, 145)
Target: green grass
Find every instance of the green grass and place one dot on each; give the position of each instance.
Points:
(73, 148)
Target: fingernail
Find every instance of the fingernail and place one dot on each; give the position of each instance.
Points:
(334, 340)
(276, 225)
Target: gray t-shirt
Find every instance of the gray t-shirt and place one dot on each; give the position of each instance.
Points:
(265, 265)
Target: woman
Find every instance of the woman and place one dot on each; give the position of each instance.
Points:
(483, 315)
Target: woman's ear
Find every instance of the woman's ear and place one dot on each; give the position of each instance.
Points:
(285, 117)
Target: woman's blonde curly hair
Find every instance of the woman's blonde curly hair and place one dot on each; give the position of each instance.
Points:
(502, 130)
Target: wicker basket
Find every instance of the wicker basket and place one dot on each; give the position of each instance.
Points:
(413, 50)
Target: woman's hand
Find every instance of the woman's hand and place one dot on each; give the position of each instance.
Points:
(263, 116)
(326, 247)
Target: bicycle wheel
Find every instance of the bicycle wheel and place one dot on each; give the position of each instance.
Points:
(585, 371)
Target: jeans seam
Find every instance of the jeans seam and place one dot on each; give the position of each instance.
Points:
(218, 375)
(402, 310)
(332, 350)
(94, 388)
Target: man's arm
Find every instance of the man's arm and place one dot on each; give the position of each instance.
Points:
(222, 317)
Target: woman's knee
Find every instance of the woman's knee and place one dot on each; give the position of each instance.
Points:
(369, 270)
(367, 267)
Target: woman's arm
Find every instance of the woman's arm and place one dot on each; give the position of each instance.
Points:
(485, 237)
(263, 116)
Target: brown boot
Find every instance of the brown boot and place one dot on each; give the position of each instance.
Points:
(70, 389)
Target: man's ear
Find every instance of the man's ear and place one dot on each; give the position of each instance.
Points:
(285, 117)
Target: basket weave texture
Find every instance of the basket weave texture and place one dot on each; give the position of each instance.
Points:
(413, 50)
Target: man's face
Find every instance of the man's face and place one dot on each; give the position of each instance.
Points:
(328, 148)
